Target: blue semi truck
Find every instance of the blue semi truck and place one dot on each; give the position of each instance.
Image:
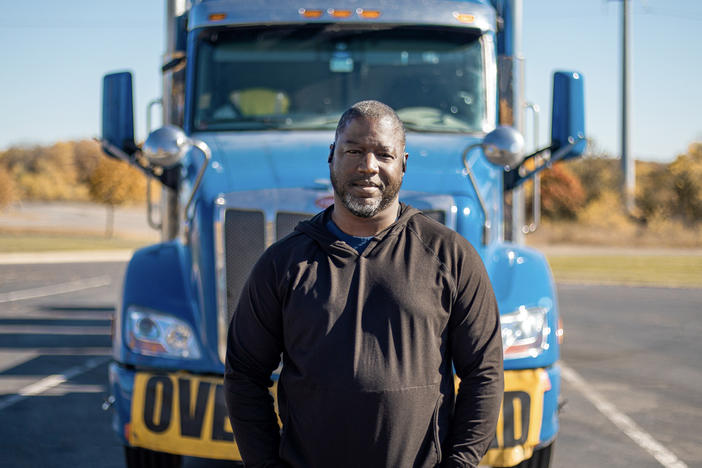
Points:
(252, 92)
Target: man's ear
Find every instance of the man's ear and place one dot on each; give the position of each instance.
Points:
(331, 152)
(404, 162)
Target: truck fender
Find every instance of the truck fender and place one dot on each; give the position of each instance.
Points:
(157, 279)
(521, 276)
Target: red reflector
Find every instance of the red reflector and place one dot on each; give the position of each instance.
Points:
(547, 381)
(217, 16)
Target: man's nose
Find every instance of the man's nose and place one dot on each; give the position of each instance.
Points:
(368, 163)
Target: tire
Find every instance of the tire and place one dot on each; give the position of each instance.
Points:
(141, 458)
(540, 459)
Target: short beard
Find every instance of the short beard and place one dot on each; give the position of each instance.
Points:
(366, 207)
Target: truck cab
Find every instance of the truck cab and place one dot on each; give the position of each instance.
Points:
(252, 94)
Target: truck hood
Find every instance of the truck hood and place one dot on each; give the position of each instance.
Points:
(245, 161)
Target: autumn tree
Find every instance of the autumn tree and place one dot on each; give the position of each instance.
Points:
(598, 173)
(112, 183)
(86, 157)
(7, 188)
(686, 174)
(654, 191)
(45, 172)
(562, 194)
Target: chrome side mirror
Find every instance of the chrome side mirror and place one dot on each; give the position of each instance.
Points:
(504, 147)
(166, 146)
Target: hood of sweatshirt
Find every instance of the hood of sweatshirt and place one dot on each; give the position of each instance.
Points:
(317, 230)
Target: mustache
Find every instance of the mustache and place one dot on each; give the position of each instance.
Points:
(367, 182)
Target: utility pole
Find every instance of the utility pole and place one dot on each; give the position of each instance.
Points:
(628, 163)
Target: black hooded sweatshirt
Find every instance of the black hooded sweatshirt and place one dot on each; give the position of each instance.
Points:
(367, 344)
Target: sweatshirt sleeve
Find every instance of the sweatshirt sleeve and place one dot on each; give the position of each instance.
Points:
(476, 345)
(254, 345)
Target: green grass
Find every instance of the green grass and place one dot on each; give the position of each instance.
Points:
(645, 270)
(41, 242)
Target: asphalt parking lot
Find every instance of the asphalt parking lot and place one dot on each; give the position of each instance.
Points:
(631, 371)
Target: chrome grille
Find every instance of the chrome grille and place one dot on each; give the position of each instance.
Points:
(247, 222)
(245, 240)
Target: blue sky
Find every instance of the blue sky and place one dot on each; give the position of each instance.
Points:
(54, 55)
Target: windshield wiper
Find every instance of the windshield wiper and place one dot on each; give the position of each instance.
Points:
(423, 127)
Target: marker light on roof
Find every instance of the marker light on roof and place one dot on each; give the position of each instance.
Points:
(339, 13)
(217, 16)
(310, 13)
(367, 13)
(463, 17)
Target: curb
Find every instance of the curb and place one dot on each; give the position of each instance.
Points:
(90, 256)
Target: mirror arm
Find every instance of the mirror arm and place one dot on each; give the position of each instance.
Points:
(559, 154)
(563, 151)
(157, 225)
(486, 225)
(138, 161)
(514, 177)
(202, 146)
(173, 63)
(533, 155)
(114, 151)
(149, 106)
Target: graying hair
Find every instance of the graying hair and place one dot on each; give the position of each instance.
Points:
(370, 110)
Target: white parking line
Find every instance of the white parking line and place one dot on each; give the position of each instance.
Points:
(84, 256)
(52, 351)
(51, 290)
(625, 424)
(53, 330)
(41, 386)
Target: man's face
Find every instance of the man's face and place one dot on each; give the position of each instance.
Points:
(367, 166)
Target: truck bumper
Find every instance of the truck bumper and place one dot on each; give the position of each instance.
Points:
(185, 414)
(172, 412)
(528, 417)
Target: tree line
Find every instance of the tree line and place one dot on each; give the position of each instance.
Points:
(68, 171)
(585, 190)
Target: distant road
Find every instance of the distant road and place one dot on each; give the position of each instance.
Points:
(633, 351)
(72, 217)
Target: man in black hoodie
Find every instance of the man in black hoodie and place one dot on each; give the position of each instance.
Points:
(372, 306)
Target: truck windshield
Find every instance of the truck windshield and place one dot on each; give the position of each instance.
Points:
(304, 77)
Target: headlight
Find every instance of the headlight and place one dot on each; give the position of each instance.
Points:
(154, 334)
(524, 332)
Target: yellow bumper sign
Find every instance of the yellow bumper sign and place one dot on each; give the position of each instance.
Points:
(185, 414)
(519, 424)
(182, 414)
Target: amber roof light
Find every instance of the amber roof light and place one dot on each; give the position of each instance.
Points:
(463, 17)
(310, 13)
(368, 13)
(340, 13)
